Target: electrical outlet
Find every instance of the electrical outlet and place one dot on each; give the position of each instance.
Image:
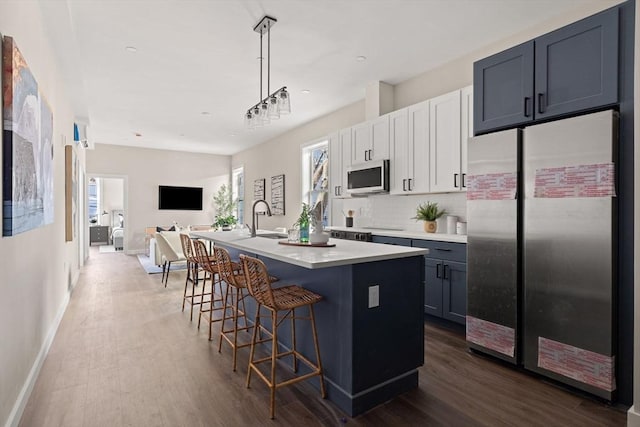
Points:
(374, 296)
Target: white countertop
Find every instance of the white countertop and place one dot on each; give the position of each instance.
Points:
(345, 252)
(441, 237)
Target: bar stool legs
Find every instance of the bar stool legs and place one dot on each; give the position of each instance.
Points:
(237, 297)
(275, 355)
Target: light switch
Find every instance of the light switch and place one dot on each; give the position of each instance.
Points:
(374, 296)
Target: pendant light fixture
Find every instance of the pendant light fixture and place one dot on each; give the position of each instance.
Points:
(274, 104)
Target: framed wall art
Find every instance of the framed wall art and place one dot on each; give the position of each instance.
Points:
(27, 133)
(258, 189)
(277, 195)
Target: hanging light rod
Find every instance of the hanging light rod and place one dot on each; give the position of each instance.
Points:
(276, 103)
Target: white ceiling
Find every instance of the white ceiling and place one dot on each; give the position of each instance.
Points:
(201, 56)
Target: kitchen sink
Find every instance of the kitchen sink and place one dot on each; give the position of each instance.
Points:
(273, 236)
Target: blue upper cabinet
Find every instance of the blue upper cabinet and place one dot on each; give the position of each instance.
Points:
(503, 89)
(577, 66)
(572, 69)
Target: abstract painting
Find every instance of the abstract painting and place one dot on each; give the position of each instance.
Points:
(27, 187)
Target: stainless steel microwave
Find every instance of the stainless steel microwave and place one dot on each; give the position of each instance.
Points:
(369, 177)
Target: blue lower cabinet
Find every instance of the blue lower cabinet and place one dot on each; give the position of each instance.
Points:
(454, 291)
(445, 288)
(433, 287)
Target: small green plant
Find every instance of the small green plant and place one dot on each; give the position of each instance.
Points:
(305, 217)
(428, 212)
(225, 206)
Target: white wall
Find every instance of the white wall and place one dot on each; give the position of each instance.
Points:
(146, 169)
(37, 268)
(112, 195)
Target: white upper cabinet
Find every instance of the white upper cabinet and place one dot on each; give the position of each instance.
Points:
(409, 146)
(444, 139)
(419, 142)
(466, 131)
(371, 140)
(339, 161)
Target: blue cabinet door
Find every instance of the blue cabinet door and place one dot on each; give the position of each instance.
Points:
(433, 286)
(454, 291)
(503, 89)
(577, 66)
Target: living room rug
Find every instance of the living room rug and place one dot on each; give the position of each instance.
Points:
(151, 268)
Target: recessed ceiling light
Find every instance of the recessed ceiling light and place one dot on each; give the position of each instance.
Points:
(305, 91)
(205, 113)
(137, 134)
(232, 134)
(131, 49)
(182, 134)
(361, 58)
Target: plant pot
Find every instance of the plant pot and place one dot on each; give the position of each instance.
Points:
(430, 226)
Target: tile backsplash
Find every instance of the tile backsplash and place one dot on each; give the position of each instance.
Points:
(386, 211)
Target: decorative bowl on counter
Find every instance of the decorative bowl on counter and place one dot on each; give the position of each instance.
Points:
(316, 238)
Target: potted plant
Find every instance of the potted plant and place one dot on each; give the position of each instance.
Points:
(225, 207)
(428, 212)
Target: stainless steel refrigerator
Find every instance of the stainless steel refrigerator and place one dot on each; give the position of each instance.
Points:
(541, 249)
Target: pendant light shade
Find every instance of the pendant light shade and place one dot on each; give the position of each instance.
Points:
(276, 103)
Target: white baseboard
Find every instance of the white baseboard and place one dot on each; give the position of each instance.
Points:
(27, 388)
(633, 417)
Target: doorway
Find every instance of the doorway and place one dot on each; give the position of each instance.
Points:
(106, 210)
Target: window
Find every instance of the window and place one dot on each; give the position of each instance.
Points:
(237, 192)
(315, 178)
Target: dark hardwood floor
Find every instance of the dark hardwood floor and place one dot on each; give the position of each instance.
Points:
(125, 355)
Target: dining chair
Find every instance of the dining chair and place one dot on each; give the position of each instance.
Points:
(169, 254)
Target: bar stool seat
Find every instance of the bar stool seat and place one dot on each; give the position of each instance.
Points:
(286, 298)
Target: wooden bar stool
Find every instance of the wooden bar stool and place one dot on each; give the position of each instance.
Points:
(193, 269)
(210, 267)
(231, 273)
(286, 298)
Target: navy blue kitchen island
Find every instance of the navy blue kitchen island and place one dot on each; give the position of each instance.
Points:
(369, 355)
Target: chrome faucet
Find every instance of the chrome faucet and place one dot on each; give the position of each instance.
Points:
(253, 215)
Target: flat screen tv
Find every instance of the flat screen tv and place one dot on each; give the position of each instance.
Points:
(180, 198)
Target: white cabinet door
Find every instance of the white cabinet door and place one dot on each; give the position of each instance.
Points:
(345, 136)
(419, 143)
(444, 141)
(379, 139)
(361, 142)
(466, 130)
(400, 161)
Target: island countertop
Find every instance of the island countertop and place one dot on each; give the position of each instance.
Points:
(345, 252)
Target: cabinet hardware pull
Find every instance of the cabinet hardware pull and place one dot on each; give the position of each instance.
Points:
(443, 250)
(335, 190)
(365, 155)
(409, 180)
(339, 190)
(438, 271)
(446, 267)
(404, 185)
(464, 185)
(526, 106)
(455, 180)
(540, 104)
